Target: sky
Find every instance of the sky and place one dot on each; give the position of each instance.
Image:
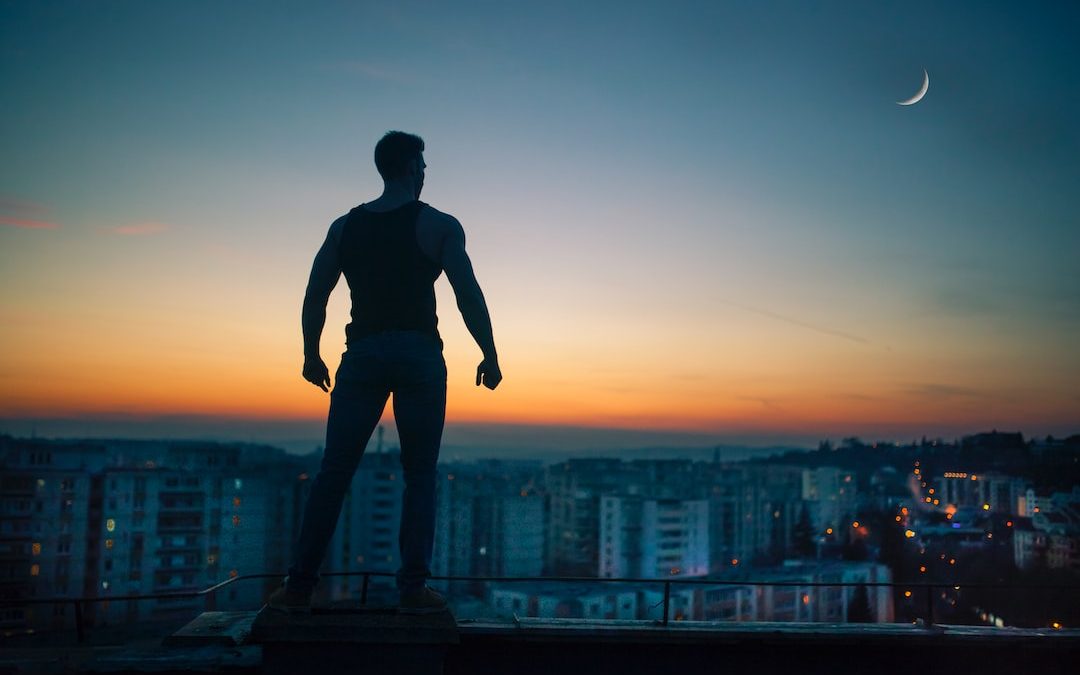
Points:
(697, 218)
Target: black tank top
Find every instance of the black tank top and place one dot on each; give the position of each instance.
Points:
(391, 280)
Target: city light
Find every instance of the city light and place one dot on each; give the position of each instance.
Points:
(110, 524)
(922, 569)
(734, 561)
(855, 524)
(931, 490)
(986, 507)
(108, 543)
(898, 519)
(904, 511)
(1008, 523)
(35, 570)
(907, 594)
(35, 548)
(974, 477)
(828, 530)
(952, 561)
(909, 533)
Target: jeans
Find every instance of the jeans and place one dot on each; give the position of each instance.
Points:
(409, 364)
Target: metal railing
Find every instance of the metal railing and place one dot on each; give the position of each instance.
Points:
(79, 602)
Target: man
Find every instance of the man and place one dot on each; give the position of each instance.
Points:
(391, 251)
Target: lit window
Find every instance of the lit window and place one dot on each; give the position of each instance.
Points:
(238, 483)
(233, 574)
(41, 482)
(108, 543)
(35, 570)
(36, 548)
(211, 559)
(236, 521)
(734, 561)
(828, 531)
(805, 599)
(909, 533)
(110, 524)
(907, 594)
(236, 501)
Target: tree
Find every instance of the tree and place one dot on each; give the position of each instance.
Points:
(803, 535)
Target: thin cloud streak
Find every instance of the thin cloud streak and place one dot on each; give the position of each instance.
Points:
(22, 208)
(27, 223)
(796, 322)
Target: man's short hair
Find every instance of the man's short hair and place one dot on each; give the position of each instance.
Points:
(394, 151)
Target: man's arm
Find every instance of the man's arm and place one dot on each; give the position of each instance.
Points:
(325, 272)
(470, 300)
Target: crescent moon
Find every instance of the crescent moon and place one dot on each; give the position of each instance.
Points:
(922, 91)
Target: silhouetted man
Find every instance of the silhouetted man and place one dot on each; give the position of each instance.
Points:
(391, 251)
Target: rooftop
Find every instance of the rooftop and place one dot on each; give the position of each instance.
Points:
(337, 638)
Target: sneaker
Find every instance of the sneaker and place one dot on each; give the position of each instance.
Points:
(421, 601)
(283, 599)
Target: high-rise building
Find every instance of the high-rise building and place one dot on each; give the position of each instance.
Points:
(653, 538)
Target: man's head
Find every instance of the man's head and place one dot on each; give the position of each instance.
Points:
(399, 159)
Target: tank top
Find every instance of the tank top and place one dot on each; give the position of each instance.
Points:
(391, 281)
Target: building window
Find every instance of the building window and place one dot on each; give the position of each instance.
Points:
(35, 570)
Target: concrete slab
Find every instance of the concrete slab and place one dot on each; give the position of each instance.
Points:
(214, 628)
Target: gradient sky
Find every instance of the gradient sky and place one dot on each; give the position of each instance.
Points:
(704, 217)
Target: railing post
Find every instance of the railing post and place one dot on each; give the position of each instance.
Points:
(79, 621)
(363, 589)
(929, 605)
(667, 600)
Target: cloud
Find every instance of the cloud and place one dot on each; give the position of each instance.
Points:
(943, 392)
(138, 229)
(24, 214)
(797, 322)
(22, 207)
(27, 223)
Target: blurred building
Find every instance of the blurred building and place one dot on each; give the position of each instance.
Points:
(648, 537)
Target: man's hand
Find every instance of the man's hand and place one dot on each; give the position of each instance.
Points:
(315, 372)
(488, 373)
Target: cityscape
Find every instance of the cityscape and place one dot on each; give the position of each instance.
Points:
(116, 518)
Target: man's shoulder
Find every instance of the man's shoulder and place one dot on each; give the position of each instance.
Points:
(433, 217)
